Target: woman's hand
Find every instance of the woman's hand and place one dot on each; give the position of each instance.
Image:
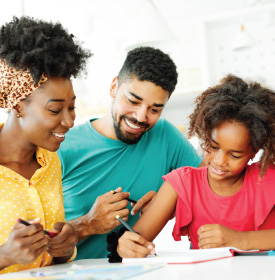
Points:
(215, 235)
(61, 246)
(132, 245)
(24, 245)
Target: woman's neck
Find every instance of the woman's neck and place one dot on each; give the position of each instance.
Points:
(14, 148)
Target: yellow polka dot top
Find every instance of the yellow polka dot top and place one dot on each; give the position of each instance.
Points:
(40, 197)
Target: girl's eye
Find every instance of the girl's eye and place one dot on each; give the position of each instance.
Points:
(213, 147)
(72, 108)
(131, 101)
(235, 156)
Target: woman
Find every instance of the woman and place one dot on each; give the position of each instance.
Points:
(37, 60)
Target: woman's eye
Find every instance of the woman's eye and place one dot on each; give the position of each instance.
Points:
(72, 108)
(55, 112)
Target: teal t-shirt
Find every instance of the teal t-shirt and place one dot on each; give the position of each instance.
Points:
(93, 164)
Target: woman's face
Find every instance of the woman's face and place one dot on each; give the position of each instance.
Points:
(48, 114)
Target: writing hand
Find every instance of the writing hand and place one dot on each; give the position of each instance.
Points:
(215, 235)
(143, 203)
(133, 245)
(24, 245)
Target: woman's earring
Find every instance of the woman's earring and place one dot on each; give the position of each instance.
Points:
(18, 116)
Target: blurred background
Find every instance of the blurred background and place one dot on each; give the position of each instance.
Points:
(206, 39)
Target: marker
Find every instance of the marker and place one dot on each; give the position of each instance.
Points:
(50, 234)
(127, 226)
(129, 199)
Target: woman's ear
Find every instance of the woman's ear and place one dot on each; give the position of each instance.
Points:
(17, 111)
(114, 86)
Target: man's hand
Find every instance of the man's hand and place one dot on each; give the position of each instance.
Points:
(61, 246)
(143, 203)
(133, 245)
(101, 218)
(215, 235)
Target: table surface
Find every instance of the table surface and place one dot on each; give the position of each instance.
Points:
(238, 267)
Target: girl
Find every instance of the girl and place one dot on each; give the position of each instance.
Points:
(227, 202)
(37, 60)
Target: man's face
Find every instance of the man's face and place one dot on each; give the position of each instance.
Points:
(136, 108)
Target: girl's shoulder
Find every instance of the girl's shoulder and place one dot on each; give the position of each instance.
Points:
(190, 171)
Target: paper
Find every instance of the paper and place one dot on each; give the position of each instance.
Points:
(94, 272)
(189, 256)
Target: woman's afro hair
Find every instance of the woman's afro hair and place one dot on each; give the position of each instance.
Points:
(41, 47)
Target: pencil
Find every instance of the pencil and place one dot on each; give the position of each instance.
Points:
(129, 199)
(51, 234)
(127, 226)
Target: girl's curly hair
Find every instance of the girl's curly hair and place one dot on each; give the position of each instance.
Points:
(233, 99)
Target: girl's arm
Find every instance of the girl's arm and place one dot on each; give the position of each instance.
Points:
(149, 224)
(215, 235)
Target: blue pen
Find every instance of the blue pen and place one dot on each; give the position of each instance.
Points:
(127, 226)
(271, 253)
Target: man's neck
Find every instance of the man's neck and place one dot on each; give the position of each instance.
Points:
(105, 126)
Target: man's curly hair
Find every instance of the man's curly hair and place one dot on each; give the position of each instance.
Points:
(43, 47)
(149, 64)
(233, 99)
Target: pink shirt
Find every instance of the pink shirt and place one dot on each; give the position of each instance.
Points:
(250, 209)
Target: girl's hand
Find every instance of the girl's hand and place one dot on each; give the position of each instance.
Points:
(61, 246)
(25, 244)
(133, 245)
(215, 235)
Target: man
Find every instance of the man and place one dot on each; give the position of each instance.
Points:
(128, 148)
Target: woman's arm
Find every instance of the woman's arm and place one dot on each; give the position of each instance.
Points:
(149, 225)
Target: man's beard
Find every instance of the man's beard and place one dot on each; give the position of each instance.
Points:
(128, 137)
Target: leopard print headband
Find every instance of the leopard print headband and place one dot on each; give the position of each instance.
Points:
(15, 85)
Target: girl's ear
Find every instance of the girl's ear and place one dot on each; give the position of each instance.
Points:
(114, 87)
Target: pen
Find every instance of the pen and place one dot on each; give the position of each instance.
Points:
(127, 226)
(50, 234)
(129, 199)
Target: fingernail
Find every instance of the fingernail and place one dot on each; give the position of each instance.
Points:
(37, 219)
(153, 252)
(133, 213)
(150, 247)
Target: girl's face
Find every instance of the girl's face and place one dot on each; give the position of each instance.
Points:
(229, 152)
(48, 114)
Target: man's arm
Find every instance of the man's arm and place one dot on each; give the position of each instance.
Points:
(101, 218)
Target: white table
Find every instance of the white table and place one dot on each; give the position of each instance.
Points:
(239, 267)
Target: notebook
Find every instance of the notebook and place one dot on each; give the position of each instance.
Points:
(193, 256)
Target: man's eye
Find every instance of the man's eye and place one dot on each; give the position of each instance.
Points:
(131, 101)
